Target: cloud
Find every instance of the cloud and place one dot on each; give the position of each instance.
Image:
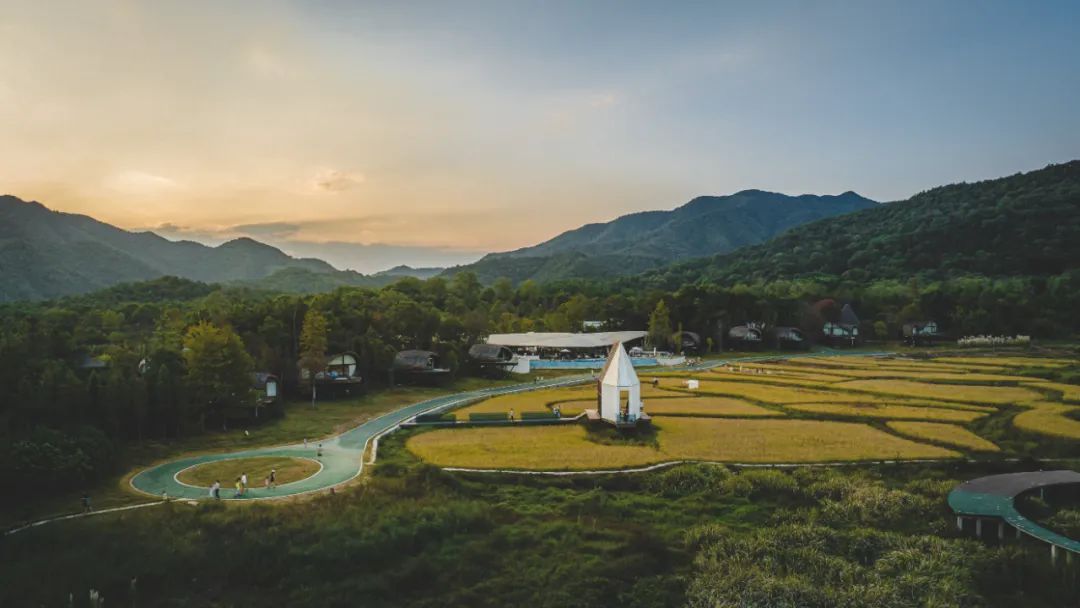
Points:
(139, 182)
(333, 180)
(268, 229)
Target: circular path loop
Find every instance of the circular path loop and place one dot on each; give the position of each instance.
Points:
(342, 455)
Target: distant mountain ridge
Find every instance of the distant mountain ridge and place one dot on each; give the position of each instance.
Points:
(637, 242)
(1027, 224)
(47, 254)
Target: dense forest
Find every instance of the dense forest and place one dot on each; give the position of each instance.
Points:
(1022, 225)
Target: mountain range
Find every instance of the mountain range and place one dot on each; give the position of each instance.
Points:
(1027, 224)
(634, 243)
(46, 254)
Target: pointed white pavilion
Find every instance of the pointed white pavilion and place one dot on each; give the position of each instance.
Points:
(620, 389)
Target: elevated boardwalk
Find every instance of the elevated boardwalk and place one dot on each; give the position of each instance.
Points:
(995, 497)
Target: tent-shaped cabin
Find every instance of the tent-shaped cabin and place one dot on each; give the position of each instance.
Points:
(844, 331)
(619, 391)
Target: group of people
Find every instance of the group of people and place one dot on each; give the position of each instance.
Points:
(269, 482)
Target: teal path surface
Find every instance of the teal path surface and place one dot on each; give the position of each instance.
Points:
(342, 456)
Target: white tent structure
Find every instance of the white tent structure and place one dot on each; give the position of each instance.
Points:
(620, 390)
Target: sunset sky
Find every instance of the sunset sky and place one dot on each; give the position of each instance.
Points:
(432, 131)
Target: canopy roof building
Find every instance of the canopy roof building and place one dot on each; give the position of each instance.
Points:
(601, 339)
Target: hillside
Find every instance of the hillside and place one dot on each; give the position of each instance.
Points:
(46, 254)
(1026, 224)
(637, 242)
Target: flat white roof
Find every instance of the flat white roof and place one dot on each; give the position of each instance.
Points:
(565, 339)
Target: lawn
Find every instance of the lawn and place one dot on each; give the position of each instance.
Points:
(769, 393)
(950, 434)
(887, 411)
(569, 398)
(706, 406)
(257, 469)
(568, 447)
(1009, 361)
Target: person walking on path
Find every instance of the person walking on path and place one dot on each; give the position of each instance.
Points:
(273, 478)
(510, 416)
(215, 490)
(318, 451)
(266, 482)
(244, 481)
(239, 488)
(85, 503)
(305, 443)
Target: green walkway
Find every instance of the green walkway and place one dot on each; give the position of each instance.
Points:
(995, 496)
(342, 458)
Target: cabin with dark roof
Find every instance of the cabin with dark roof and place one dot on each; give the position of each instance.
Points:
(918, 333)
(492, 359)
(689, 342)
(341, 378)
(790, 338)
(749, 336)
(844, 332)
(417, 366)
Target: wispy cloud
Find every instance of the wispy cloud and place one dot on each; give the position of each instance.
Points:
(139, 182)
(333, 180)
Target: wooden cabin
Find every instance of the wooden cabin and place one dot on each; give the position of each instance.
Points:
(689, 342)
(341, 378)
(492, 359)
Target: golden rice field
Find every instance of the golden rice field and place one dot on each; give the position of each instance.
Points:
(1069, 392)
(1009, 361)
(887, 411)
(991, 395)
(567, 447)
(1049, 419)
(739, 416)
(944, 433)
(706, 406)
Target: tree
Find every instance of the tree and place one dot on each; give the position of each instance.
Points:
(660, 325)
(218, 368)
(313, 347)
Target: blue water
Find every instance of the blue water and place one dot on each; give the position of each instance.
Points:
(584, 363)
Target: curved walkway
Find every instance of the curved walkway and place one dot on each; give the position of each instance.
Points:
(342, 458)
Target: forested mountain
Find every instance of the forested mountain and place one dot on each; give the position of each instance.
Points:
(1026, 224)
(45, 254)
(640, 241)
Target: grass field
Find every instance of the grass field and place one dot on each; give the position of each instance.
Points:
(568, 447)
(944, 433)
(568, 398)
(888, 411)
(257, 469)
(1009, 361)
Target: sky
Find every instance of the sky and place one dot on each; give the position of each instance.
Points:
(427, 133)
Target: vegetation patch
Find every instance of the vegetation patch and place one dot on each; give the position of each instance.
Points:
(887, 411)
(950, 434)
(715, 439)
(257, 469)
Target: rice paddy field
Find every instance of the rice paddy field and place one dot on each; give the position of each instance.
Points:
(798, 410)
